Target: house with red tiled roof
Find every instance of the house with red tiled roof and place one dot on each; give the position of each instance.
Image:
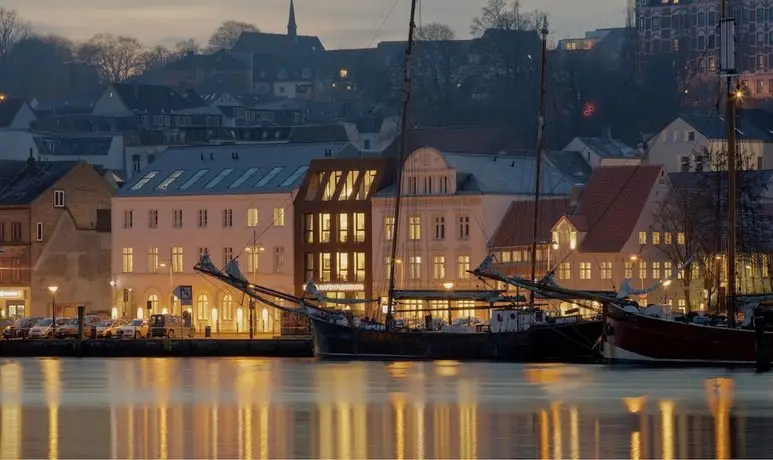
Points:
(613, 234)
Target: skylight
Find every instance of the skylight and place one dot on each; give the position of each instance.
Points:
(145, 179)
(268, 177)
(243, 178)
(218, 178)
(294, 176)
(168, 181)
(194, 178)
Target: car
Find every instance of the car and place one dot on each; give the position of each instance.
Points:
(70, 328)
(20, 328)
(45, 328)
(106, 329)
(136, 328)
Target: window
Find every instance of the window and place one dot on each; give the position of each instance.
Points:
(414, 228)
(585, 273)
(228, 308)
(330, 185)
(279, 259)
(628, 270)
(655, 238)
(127, 260)
(324, 267)
(168, 181)
(136, 163)
(366, 185)
(153, 218)
(440, 228)
(685, 164)
(444, 184)
(15, 231)
(308, 228)
(680, 238)
(252, 217)
(228, 218)
(691, 136)
(572, 240)
(359, 227)
(565, 271)
(463, 267)
(348, 191)
(193, 179)
(324, 228)
(359, 266)
(387, 267)
(464, 228)
(308, 267)
(667, 238)
(656, 270)
(389, 228)
(268, 177)
(343, 228)
(144, 180)
(202, 307)
(128, 218)
(58, 198)
(39, 231)
(252, 253)
(177, 218)
(439, 267)
(279, 217)
(243, 178)
(642, 270)
(504, 257)
(342, 262)
(219, 178)
(152, 260)
(667, 271)
(642, 237)
(177, 259)
(414, 267)
(228, 255)
(606, 270)
(294, 176)
(343, 73)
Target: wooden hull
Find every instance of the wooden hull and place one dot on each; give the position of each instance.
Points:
(634, 338)
(557, 343)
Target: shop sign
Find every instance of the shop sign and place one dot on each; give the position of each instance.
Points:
(346, 287)
(10, 293)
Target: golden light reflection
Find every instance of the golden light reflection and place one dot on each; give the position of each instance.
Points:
(420, 427)
(574, 432)
(398, 406)
(720, 398)
(667, 414)
(635, 445)
(635, 405)
(558, 448)
(446, 368)
(544, 432)
(399, 369)
(263, 416)
(51, 369)
(442, 422)
(11, 418)
(544, 375)
(468, 409)
(162, 433)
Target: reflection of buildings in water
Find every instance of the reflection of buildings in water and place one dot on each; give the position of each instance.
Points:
(10, 420)
(51, 369)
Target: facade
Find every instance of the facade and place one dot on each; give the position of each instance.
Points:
(15, 114)
(54, 231)
(194, 70)
(333, 226)
(603, 151)
(452, 205)
(233, 202)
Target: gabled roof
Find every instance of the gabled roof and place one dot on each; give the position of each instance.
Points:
(229, 169)
(272, 44)
(8, 110)
(714, 127)
(220, 60)
(517, 227)
(155, 98)
(34, 180)
(9, 169)
(611, 205)
(77, 145)
(609, 147)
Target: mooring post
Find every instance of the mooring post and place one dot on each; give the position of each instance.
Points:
(763, 358)
(81, 314)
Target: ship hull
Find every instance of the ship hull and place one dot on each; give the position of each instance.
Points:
(575, 342)
(637, 339)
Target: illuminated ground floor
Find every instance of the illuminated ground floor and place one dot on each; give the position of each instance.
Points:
(14, 302)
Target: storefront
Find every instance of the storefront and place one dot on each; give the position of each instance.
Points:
(13, 302)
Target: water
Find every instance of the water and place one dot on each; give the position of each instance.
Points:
(266, 408)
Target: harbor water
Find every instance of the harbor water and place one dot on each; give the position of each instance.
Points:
(303, 408)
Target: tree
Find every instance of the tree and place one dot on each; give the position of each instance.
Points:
(155, 58)
(183, 48)
(435, 31)
(116, 58)
(434, 73)
(506, 15)
(228, 33)
(12, 30)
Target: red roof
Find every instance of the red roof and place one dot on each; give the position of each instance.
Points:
(611, 205)
(517, 227)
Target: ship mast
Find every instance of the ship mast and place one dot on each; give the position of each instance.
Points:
(540, 148)
(728, 70)
(403, 148)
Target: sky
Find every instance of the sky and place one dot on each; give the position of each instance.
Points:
(339, 23)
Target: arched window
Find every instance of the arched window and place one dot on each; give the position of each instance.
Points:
(152, 303)
(202, 307)
(227, 312)
(176, 309)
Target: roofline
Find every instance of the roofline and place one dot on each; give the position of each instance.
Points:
(241, 194)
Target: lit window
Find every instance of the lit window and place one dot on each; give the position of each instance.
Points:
(330, 186)
(585, 271)
(642, 237)
(504, 257)
(279, 217)
(414, 228)
(667, 238)
(202, 307)
(348, 191)
(343, 266)
(606, 270)
(308, 228)
(127, 260)
(177, 259)
(573, 241)
(152, 260)
(324, 267)
(439, 267)
(565, 271)
(655, 238)
(642, 270)
(414, 267)
(324, 228)
(252, 217)
(656, 270)
(253, 258)
(628, 270)
(359, 227)
(343, 73)
(365, 186)
(389, 228)
(343, 228)
(228, 307)
(463, 267)
(667, 272)
(680, 238)
(359, 266)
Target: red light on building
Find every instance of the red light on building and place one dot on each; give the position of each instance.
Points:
(588, 110)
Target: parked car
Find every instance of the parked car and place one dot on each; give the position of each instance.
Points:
(137, 329)
(107, 328)
(169, 326)
(45, 328)
(70, 328)
(20, 328)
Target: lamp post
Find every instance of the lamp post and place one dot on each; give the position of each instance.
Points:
(171, 289)
(53, 290)
(448, 285)
(112, 292)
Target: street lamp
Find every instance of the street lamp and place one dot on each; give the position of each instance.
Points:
(53, 290)
(115, 307)
(448, 285)
(171, 289)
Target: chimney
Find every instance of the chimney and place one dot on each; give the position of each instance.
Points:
(606, 132)
(31, 164)
(575, 196)
(211, 156)
(202, 157)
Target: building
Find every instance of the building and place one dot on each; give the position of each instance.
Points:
(452, 205)
(231, 201)
(15, 113)
(603, 151)
(54, 231)
(333, 225)
(194, 70)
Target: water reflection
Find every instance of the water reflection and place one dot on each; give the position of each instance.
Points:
(260, 409)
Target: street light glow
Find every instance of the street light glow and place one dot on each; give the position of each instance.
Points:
(448, 285)
(53, 289)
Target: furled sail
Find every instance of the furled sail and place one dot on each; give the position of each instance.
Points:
(205, 264)
(232, 269)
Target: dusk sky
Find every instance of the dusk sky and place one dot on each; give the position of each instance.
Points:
(339, 23)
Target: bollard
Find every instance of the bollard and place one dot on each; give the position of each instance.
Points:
(81, 313)
(761, 342)
(207, 332)
(252, 319)
(93, 333)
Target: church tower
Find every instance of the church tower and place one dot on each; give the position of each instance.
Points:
(292, 27)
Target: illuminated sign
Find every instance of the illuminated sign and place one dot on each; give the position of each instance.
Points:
(10, 294)
(341, 287)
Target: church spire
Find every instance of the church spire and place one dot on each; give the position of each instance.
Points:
(292, 27)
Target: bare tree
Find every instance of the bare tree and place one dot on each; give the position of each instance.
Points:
(12, 30)
(116, 58)
(228, 33)
(435, 31)
(155, 58)
(185, 47)
(435, 70)
(505, 15)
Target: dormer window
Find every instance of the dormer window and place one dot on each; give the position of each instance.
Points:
(343, 73)
(306, 73)
(58, 198)
(282, 74)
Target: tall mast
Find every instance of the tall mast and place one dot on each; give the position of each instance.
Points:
(403, 148)
(540, 147)
(727, 57)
